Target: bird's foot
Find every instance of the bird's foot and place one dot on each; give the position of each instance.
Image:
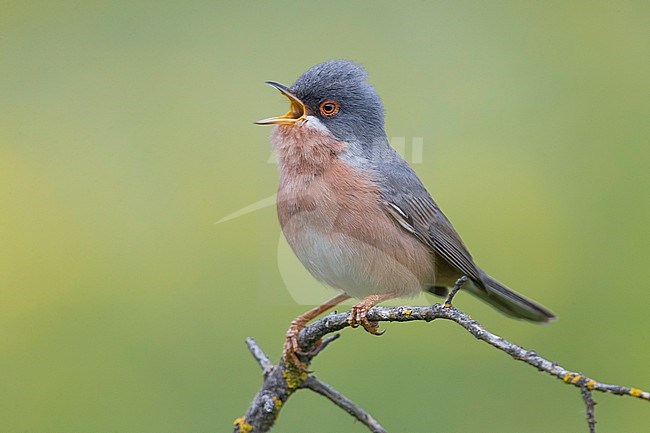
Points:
(291, 348)
(359, 316)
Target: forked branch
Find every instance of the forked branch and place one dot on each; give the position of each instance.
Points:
(282, 380)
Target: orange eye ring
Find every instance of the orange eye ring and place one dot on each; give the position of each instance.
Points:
(329, 108)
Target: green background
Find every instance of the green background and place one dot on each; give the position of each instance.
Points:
(126, 133)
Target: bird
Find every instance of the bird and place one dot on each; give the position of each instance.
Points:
(354, 212)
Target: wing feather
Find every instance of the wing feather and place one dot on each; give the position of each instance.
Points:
(409, 203)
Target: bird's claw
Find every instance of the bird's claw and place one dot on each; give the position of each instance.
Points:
(359, 317)
(291, 348)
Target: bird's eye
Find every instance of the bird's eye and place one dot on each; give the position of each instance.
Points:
(329, 108)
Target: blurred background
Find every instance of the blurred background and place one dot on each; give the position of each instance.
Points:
(126, 134)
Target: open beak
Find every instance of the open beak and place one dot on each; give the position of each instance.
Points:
(295, 113)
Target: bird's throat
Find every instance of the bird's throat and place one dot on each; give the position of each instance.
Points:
(304, 150)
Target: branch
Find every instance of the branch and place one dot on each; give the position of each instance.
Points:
(281, 380)
(341, 401)
(260, 356)
(337, 322)
(589, 404)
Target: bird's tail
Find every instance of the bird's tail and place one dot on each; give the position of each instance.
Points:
(509, 302)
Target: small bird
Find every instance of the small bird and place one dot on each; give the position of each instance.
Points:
(354, 212)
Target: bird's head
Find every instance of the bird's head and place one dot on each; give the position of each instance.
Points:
(334, 95)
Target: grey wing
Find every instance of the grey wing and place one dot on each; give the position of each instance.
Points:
(410, 204)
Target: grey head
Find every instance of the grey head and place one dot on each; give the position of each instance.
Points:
(336, 95)
(360, 113)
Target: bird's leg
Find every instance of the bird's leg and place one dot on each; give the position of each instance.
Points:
(359, 311)
(291, 346)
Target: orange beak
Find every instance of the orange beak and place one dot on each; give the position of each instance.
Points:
(296, 110)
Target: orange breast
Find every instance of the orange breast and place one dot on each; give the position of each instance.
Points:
(332, 217)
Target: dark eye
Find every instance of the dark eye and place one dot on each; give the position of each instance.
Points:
(329, 108)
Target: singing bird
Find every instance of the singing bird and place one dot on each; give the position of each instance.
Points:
(354, 212)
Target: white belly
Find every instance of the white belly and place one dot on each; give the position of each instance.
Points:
(345, 262)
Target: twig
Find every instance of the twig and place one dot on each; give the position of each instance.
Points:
(344, 403)
(281, 380)
(589, 404)
(337, 322)
(259, 356)
(325, 342)
(457, 286)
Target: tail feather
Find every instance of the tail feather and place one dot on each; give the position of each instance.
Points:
(510, 302)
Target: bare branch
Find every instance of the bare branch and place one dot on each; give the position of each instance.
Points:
(336, 322)
(589, 404)
(344, 403)
(452, 293)
(325, 342)
(259, 356)
(282, 380)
